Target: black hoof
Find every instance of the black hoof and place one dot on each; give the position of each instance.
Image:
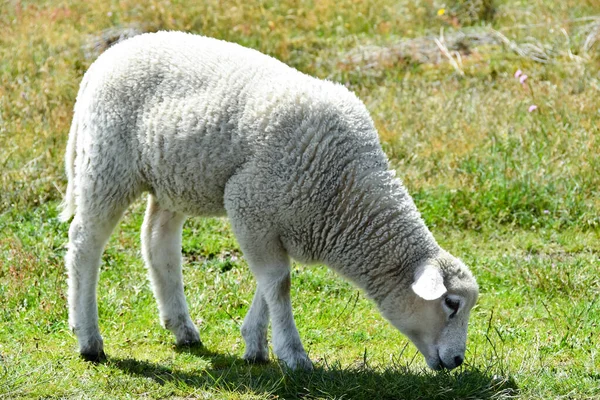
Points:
(257, 360)
(94, 357)
(189, 344)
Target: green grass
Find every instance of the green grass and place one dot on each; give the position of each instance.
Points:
(515, 194)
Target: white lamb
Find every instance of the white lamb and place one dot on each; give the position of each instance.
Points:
(212, 128)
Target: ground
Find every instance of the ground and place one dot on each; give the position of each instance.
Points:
(510, 188)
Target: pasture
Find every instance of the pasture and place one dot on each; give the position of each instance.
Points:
(504, 169)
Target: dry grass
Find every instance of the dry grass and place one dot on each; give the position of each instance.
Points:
(432, 122)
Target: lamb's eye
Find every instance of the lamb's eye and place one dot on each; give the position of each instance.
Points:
(452, 304)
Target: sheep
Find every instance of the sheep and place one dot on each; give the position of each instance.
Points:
(210, 128)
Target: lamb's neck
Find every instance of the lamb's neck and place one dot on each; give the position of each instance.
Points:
(380, 237)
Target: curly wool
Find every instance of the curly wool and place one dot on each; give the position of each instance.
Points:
(186, 113)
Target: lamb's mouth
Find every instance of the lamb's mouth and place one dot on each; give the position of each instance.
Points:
(440, 364)
(436, 364)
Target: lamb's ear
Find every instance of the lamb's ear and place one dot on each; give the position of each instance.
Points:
(429, 283)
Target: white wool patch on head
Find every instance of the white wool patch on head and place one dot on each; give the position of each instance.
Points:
(429, 283)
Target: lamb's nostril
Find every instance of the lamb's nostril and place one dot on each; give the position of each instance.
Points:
(458, 360)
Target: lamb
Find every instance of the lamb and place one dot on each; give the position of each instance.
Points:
(210, 128)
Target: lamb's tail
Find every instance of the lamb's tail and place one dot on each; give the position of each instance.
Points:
(68, 204)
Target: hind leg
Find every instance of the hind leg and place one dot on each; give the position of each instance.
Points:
(161, 247)
(88, 235)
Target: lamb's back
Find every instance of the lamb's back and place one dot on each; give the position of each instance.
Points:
(193, 110)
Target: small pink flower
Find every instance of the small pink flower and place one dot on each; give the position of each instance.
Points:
(532, 108)
(522, 79)
(518, 73)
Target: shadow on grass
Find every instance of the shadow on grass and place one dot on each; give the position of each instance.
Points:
(232, 374)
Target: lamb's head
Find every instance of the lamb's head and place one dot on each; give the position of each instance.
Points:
(433, 310)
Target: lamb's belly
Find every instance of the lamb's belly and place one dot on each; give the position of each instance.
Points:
(192, 186)
(195, 201)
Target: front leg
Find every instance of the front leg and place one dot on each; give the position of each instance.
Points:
(270, 265)
(249, 209)
(254, 330)
(275, 287)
